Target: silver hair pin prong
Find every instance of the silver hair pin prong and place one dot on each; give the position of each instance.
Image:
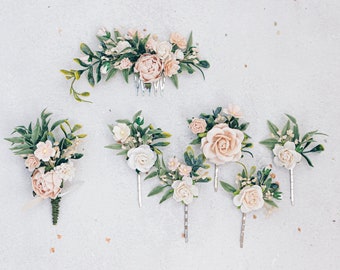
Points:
(243, 226)
(186, 223)
(139, 190)
(216, 178)
(291, 187)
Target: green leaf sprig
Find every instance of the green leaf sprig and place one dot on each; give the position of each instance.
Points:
(263, 178)
(171, 173)
(304, 144)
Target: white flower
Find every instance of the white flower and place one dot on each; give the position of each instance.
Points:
(290, 133)
(184, 170)
(121, 132)
(184, 191)
(102, 32)
(141, 158)
(163, 49)
(286, 156)
(173, 164)
(121, 45)
(179, 54)
(66, 171)
(233, 110)
(250, 198)
(44, 150)
(104, 69)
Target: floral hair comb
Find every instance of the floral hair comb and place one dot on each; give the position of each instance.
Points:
(48, 157)
(139, 144)
(178, 180)
(289, 147)
(221, 135)
(254, 190)
(149, 59)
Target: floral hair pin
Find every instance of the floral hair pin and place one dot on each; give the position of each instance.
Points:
(48, 157)
(288, 147)
(221, 135)
(254, 190)
(139, 144)
(178, 180)
(150, 60)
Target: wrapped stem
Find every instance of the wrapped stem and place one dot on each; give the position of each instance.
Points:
(243, 226)
(139, 190)
(55, 210)
(291, 187)
(186, 223)
(216, 178)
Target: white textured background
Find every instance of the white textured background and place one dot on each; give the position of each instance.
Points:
(291, 49)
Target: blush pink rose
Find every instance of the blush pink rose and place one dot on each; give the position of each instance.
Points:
(32, 162)
(46, 185)
(149, 67)
(178, 40)
(198, 125)
(222, 144)
(171, 66)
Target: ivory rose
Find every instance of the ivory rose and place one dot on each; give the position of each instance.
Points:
(141, 158)
(222, 144)
(250, 198)
(32, 162)
(198, 125)
(44, 150)
(184, 191)
(171, 66)
(163, 49)
(286, 156)
(121, 132)
(149, 67)
(178, 40)
(46, 185)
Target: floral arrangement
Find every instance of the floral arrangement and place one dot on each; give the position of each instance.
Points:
(254, 189)
(178, 180)
(221, 135)
(139, 144)
(48, 157)
(289, 147)
(136, 52)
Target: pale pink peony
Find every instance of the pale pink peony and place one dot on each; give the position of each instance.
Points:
(222, 144)
(198, 125)
(46, 185)
(179, 40)
(184, 170)
(149, 67)
(32, 162)
(44, 151)
(171, 66)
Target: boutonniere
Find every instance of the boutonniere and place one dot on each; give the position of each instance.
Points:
(222, 136)
(139, 144)
(48, 157)
(149, 59)
(254, 189)
(179, 179)
(289, 147)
